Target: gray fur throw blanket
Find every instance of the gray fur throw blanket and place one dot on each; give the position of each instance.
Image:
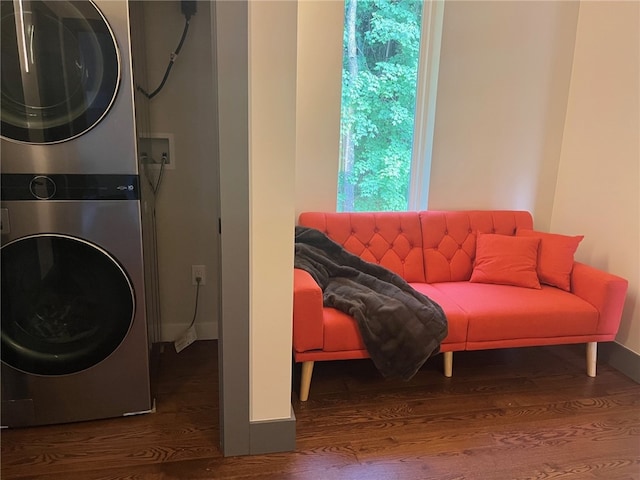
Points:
(400, 327)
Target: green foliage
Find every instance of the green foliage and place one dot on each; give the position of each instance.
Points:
(378, 105)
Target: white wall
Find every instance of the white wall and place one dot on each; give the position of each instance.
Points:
(188, 198)
(508, 79)
(319, 83)
(272, 140)
(502, 89)
(598, 187)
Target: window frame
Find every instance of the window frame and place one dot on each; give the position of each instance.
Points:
(426, 96)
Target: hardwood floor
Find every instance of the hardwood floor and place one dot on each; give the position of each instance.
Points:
(528, 413)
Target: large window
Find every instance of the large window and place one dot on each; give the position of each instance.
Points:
(386, 79)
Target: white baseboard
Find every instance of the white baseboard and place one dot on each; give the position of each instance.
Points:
(205, 331)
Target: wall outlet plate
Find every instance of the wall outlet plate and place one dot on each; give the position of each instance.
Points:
(198, 271)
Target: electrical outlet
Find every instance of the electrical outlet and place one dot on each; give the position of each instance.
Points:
(198, 271)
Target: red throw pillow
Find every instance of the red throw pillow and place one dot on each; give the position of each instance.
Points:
(506, 260)
(555, 256)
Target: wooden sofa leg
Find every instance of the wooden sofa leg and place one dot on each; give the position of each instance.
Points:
(305, 380)
(592, 355)
(448, 364)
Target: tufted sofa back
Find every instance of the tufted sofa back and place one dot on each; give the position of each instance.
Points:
(428, 246)
(449, 239)
(390, 239)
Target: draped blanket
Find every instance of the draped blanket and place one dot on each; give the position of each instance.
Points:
(400, 327)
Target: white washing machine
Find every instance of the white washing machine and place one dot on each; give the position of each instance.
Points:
(75, 327)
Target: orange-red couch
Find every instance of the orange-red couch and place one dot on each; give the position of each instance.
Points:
(477, 265)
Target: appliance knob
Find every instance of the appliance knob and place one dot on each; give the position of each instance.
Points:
(42, 187)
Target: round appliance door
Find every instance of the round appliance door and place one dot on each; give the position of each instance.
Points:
(60, 69)
(66, 304)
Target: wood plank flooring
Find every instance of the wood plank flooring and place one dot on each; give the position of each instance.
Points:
(529, 413)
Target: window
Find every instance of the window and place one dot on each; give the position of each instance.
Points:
(389, 78)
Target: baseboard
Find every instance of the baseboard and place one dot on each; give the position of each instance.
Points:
(173, 331)
(272, 436)
(620, 358)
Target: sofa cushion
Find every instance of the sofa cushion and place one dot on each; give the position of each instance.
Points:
(506, 260)
(504, 312)
(555, 256)
(457, 319)
(449, 239)
(341, 330)
(390, 239)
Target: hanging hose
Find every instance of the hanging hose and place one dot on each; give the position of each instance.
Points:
(174, 56)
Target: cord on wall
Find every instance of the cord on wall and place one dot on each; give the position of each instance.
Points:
(155, 186)
(188, 9)
(190, 335)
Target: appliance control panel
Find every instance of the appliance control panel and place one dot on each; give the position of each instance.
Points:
(18, 186)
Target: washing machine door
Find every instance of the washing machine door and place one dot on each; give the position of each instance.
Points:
(66, 304)
(60, 69)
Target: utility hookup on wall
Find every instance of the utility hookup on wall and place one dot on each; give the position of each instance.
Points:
(198, 271)
(158, 151)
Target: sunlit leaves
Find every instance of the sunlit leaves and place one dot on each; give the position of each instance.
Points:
(378, 105)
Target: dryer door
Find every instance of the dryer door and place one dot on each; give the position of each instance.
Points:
(60, 69)
(66, 304)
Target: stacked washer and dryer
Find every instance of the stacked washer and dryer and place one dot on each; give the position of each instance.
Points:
(77, 238)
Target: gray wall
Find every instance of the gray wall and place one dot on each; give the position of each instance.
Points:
(188, 198)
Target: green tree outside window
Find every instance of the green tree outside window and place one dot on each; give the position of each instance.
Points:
(379, 75)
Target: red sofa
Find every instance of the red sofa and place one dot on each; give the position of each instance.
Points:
(477, 265)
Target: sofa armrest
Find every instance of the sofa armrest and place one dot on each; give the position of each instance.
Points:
(308, 329)
(605, 291)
